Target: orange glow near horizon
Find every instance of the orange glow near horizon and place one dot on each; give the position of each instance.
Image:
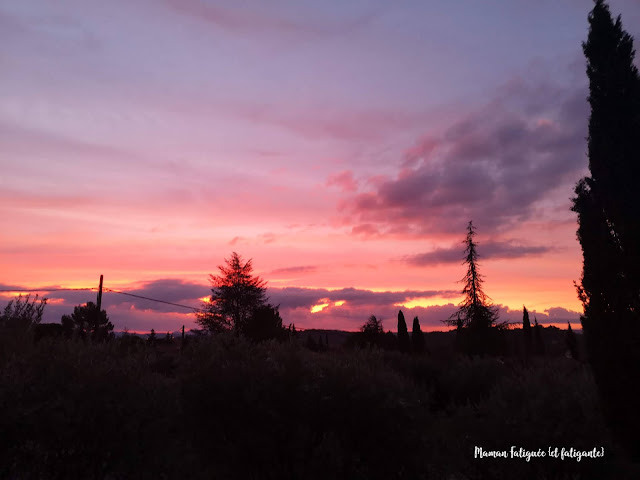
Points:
(427, 302)
(319, 307)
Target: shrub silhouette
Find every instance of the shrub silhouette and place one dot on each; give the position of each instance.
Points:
(264, 323)
(18, 321)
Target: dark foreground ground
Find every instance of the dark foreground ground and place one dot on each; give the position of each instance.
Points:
(225, 408)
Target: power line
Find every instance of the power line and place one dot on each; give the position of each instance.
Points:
(18, 290)
(105, 289)
(154, 300)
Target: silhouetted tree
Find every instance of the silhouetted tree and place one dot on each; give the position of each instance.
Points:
(291, 330)
(235, 295)
(417, 337)
(372, 331)
(572, 343)
(87, 323)
(264, 323)
(478, 316)
(537, 337)
(403, 334)
(526, 332)
(152, 337)
(609, 222)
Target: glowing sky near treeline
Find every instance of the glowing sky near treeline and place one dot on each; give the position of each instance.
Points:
(343, 146)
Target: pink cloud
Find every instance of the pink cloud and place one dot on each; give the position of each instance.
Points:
(343, 180)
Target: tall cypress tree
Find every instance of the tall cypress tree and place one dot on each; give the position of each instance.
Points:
(526, 332)
(609, 222)
(403, 334)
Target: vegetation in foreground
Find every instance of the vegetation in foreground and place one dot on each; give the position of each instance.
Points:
(227, 407)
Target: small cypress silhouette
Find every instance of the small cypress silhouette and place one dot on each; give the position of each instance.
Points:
(526, 332)
(417, 337)
(572, 343)
(537, 332)
(403, 334)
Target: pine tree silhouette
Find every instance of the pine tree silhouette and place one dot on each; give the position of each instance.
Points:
(476, 317)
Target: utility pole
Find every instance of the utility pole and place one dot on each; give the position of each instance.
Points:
(100, 295)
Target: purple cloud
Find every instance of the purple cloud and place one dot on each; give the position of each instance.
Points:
(296, 297)
(491, 166)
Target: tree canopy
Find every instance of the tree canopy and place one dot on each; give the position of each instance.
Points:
(87, 322)
(235, 295)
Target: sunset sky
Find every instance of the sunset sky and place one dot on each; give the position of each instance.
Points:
(343, 146)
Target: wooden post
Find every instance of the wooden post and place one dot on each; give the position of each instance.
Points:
(100, 295)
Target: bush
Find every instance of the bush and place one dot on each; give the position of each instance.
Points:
(17, 323)
(226, 407)
(68, 410)
(274, 411)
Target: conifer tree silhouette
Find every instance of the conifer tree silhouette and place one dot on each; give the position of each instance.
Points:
(609, 223)
(572, 342)
(537, 336)
(526, 332)
(417, 337)
(476, 317)
(403, 334)
(235, 295)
